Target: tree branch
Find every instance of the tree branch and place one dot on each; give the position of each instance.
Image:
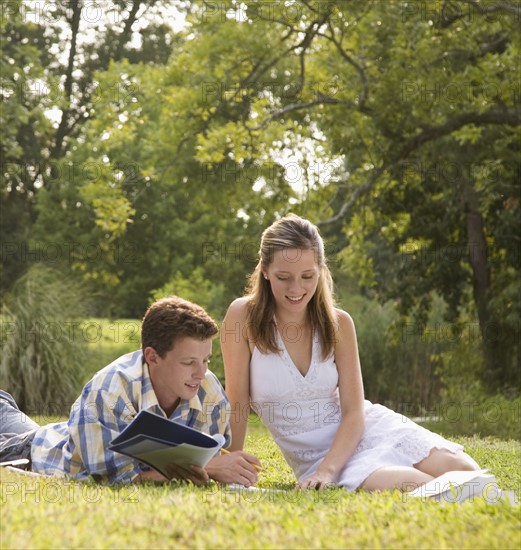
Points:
(126, 34)
(506, 7)
(294, 107)
(451, 11)
(352, 62)
(63, 128)
(429, 133)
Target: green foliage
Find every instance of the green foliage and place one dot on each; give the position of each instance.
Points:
(108, 339)
(392, 348)
(471, 413)
(43, 346)
(196, 289)
(422, 155)
(25, 134)
(394, 125)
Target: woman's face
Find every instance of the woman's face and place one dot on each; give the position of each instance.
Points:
(293, 275)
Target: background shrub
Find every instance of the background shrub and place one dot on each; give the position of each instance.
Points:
(43, 345)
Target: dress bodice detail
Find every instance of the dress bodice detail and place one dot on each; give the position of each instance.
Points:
(288, 402)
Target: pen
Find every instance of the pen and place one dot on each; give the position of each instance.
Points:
(16, 462)
(258, 468)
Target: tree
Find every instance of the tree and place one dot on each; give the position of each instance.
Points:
(49, 92)
(403, 119)
(414, 94)
(25, 134)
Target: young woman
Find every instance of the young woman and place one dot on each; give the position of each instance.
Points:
(291, 355)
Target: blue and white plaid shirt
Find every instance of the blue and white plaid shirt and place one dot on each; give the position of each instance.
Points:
(108, 403)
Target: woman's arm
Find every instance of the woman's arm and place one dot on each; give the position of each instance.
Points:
(236, 357)
(351, 427)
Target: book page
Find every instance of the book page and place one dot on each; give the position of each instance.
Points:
(183, 455)
(158, 454)
(453, 479)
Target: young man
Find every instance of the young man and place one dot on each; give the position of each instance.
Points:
(169, 376)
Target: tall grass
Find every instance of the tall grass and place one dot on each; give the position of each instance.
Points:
(43, 350)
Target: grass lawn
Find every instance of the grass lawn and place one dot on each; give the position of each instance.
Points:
(39, 512)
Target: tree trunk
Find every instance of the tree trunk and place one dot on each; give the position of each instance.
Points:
(64, 128)
(478, 257)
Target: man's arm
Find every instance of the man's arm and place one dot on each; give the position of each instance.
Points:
(96, 419)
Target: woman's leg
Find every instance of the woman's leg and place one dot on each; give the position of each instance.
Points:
(440, 461)
(395, 477)
(437, 463)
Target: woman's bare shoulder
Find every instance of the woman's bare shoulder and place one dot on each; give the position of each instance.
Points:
(238, 309)
(239, 304)
(236, 322)
(343, 316)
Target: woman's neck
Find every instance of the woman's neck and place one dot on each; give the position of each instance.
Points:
(300, 319)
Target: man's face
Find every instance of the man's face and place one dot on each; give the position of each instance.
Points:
(178, 375)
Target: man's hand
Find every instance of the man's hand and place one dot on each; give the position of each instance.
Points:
(235, 467)
(150, 475)
(197, 475)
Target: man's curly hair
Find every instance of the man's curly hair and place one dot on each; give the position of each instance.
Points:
(173, 318)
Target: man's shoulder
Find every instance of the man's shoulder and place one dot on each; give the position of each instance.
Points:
(212, 386)
(128, 367)
(129, 360)
(211, 379)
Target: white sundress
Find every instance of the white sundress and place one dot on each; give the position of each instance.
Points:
(303, 413)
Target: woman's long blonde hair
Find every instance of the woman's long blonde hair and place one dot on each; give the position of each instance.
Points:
(296, 233)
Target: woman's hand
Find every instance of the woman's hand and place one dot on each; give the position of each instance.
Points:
(234, 467)
(317, 481)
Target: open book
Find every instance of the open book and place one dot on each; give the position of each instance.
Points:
(158, 441)
(458, 486)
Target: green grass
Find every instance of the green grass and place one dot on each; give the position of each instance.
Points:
(38, 512)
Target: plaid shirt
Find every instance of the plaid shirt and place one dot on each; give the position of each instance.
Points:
(108, 403)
